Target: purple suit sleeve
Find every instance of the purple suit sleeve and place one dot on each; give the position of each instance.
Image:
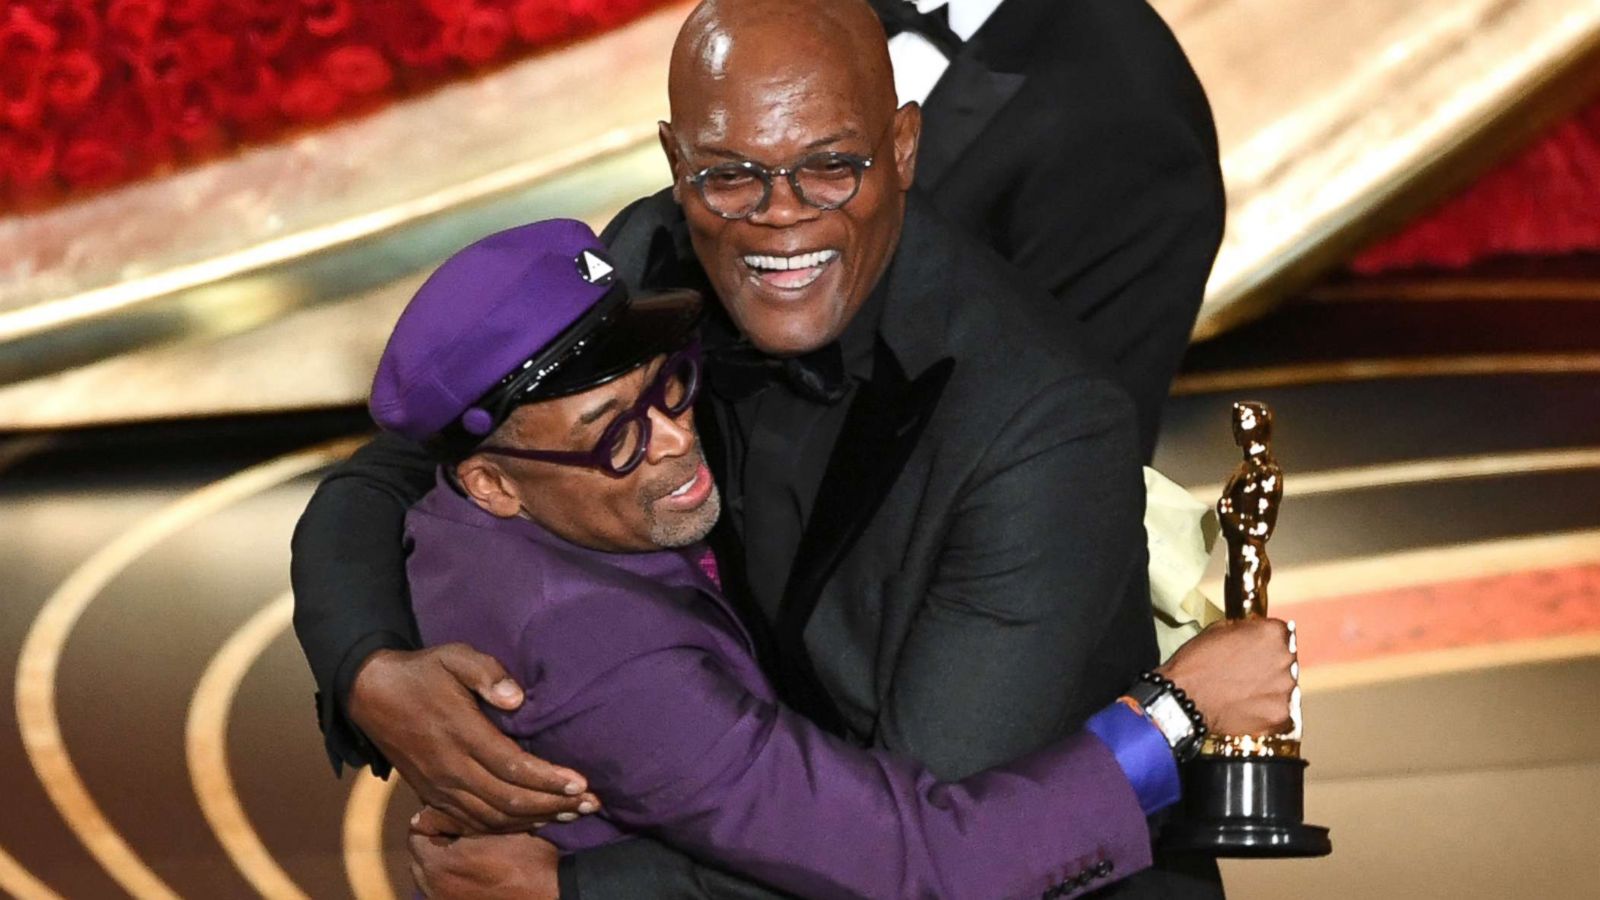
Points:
(676, 747)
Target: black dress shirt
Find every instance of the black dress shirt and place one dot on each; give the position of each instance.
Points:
(778, 444)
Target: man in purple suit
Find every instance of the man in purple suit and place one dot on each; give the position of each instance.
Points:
(563, 538)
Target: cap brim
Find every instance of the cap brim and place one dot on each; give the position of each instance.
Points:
(649, 326)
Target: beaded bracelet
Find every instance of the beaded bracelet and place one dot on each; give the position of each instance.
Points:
(1196, 718)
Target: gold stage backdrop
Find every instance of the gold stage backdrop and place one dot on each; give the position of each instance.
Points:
(268, 281)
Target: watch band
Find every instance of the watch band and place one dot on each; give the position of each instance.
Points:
(1166, 707)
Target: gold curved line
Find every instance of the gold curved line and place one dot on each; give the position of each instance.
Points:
(1373, 369)
(1401, 667)
(206, 749)
(364, 815)
(43, 317)
(1424, 471)
(40, 657)
(16, 881)
(1453, 562)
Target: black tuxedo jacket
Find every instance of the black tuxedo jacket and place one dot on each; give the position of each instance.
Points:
(1073, 137)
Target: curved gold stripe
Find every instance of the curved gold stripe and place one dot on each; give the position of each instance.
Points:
(363, 837)
(1373, 369)
(206, 747)
(18, 882)
(51, 315)
(47, 637)
(1422, 471)
(1342, 676)
(1454, 562)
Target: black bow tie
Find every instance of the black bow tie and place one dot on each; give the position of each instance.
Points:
(740, 371)
(902, 15)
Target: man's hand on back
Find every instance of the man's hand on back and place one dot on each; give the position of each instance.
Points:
(490, 867)
(419, 709)
(1239, 675)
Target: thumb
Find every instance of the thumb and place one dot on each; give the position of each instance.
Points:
(482, 674)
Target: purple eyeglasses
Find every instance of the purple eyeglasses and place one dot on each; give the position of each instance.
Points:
(622, 446)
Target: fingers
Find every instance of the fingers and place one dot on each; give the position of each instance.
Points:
(434, 822)
(508, 762)
(482, 674)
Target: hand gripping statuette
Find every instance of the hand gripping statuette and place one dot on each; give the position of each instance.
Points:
(1244, 795)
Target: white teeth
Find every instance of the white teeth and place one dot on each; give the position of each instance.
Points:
(786, 263)
(686, 485)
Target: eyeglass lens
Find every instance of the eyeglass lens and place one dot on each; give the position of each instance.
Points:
(822, 180)
(627, 437)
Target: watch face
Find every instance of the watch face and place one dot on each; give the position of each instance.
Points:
(1168, 715)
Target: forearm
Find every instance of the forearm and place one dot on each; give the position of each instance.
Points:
(348, 573)
(762, 791)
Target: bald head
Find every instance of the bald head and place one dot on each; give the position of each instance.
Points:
(763, 44)
(769, 96)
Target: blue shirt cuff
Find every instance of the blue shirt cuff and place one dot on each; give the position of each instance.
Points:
(1142, 752)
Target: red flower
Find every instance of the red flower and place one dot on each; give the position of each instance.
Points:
(311, 98)
(412, 35)
(25, 46)
(479, 36)
(28, 159)
(135, 19)
(325, 18)
(93, 163)
(204, 51)
(357, 69)
(78, 24)
(73, 79)
(542, 22)
(249, 94)
(271, 26)
(189, 12)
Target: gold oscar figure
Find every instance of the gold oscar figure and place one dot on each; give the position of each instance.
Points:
(1244, 795)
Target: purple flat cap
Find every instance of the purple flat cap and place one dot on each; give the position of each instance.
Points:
(525, 314)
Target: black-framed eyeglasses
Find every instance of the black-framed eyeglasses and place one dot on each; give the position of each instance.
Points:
(626, 440)
(824, 180)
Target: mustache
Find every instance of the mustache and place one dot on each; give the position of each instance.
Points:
(658, 488)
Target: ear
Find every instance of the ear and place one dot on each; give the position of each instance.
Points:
(489, 486)
(669, 146)
(907, 135)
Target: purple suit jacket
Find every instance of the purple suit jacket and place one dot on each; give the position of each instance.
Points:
(641, 677)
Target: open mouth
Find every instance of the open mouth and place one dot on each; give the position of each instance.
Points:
(789, 272)
(691, 493)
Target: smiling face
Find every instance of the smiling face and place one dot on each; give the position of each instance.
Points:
(772, 82)
(668, 501)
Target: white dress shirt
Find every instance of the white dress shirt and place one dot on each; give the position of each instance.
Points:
(918, 64)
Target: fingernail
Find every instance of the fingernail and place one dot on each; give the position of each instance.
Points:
(587, 807)
(566, 817)
(415, 818)
(573, 788)
(507, 689)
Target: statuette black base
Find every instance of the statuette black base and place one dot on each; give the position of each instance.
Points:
(1244, 807)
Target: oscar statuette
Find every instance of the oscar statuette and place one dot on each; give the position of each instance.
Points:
(1244, 795)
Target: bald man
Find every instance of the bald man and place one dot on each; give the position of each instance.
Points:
(933, 499)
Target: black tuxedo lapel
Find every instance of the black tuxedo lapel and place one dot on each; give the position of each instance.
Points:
(968, 95)
(884, 423)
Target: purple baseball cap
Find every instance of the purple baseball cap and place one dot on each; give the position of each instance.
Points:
(527, 314)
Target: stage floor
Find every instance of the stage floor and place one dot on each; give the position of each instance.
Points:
(1439, 548)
